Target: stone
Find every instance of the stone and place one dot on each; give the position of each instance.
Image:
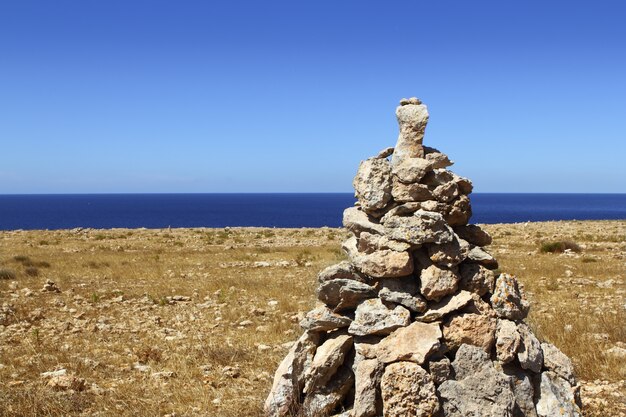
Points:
(372, 184)
(422, 227)
(327, 397)
(341, 294)
(472, 329)
(446, 306)
(374, 317)
(357, 221)
(458, 212)
(481, 256)
(385, 153)
(408, 390)
(416, 192)
(440, 370)
(464, 185)
(437, 282)
(413, 343)
(50, 286)
(414, 303)
(447, 254)
(476, 278)
(437, 158)
(368, 243)
(508, 298)
(66, 383)
(323, 319)
(406, 209)
(508, 340)
(328, 358)
(365, 347)
(412, 120)
(523, 390)
(556, 397)
(342, 270)
(380, 263)
(284, 396)
(479, 306)
(409, 284)
(529, 354)
(367, 402)
(411, 170)
(447, 192)
(473, 234)
(478, 390)
(556, 361)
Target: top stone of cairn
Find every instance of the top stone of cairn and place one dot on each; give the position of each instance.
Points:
(412, 117)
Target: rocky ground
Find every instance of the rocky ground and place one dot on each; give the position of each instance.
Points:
(194, 321)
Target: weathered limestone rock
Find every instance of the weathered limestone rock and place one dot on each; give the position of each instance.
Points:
(556, 397)
(437, 282)
(373, 317)
(385, 153)
(380, 263)
(368, 243)
(408, 390)
(524, 392)
(481, 256)
(344, 293)
(328, 358)
(472, 329)
(411, 170)
(422, 227)
(530, 355)
(405, 193)
(342, 270)
(283, 398)
(412, 119)
(408, 285)
(476, 278)
(556, 361)
(357, 221)
(508, 298)
(412, 343)
(508, 340)
(447, 192)
(367, 402)
(473, 234)
(458, 212)
(440, 370)
(446, 306)
(322, 319)
(415, 304)
(479, 389)
(448, 254)
(372, 184)
(438, 159)
(326, 398)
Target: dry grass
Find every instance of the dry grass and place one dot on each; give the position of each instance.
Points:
(116, 325)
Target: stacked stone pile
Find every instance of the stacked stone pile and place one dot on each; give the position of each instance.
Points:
(416, 323)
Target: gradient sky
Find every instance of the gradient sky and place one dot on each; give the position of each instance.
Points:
(288, 96)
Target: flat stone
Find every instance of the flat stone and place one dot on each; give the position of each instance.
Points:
(556, 361)
(529, 354)
(446, 306)
(411, 170)
(408, 390)
(374, 317)
(414, 303)
(328, 358)
(380, 263)
(357, 221)
(479, 389)
(476, 278)
(412, 120)
(437, 158)
(556, 397)
(385, 153)
(367, 402)
(415, 192)
(341, 270)
(481, 256)
(437, 282)
(284, 396)
(508, 299)
(368, 243)
(409, 284)
(323, 319)
(472, 329)
(473, 234)
(508, 340)
(372, 184)
(341, 294)
(412, 343)
(422, 227)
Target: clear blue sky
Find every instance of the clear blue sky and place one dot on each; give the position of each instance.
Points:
(287, 96)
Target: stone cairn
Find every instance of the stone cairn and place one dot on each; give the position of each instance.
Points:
(416, 323)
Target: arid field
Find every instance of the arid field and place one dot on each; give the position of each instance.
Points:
(193, 322)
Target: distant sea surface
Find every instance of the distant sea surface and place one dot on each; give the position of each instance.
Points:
(271, 210)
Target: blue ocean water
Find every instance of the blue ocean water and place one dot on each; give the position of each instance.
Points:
(271, 210)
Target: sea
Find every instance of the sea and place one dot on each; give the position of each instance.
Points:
(58, 211)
